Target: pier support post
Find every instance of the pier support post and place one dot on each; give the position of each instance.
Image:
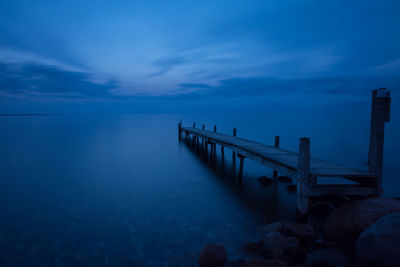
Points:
(180, 130)
(234, 153)
(194, 124)
(303, 174)
(222, 153)
(241, 167)
(276, 144)
(215, 128)
(380, 113)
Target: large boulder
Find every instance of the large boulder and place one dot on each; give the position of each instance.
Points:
(274, 246)
(265, 263)
(379, 244)
(347, 221)
(326, 257)
(212, 256)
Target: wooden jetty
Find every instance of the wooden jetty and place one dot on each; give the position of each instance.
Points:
(300, 165)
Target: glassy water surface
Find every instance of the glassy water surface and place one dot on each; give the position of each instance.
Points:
(121, 190)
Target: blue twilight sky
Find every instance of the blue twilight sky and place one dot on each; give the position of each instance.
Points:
(172, 56)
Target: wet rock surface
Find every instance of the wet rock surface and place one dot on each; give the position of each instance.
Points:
(264, 263)
(326, 257)
(273, 246)
(264, 180)
(379, 244)
(213, 256)
(347, 221)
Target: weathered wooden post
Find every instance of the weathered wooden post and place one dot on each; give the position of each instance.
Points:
(276, 144)
(303, 174)
(241, 167)
(180, 130)
(203, 127)
(380, 113)
(215, 144)
(234, 153)
(222, 153)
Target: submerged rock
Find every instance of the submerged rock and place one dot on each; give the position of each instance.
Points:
(379, 244)
(274, 246)
(349, 220)
(264, 180)
(265, 263)
(326, 257)
(302, 231)
(284, 179)
(213, 256)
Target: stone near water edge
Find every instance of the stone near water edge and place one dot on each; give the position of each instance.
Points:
(379, 244)
(212, 256)
(292, 245)
(264, 180)
(273, 227)
(346, 222)
(265, 263)
(304, 232)
(326, 257)
(274, 246)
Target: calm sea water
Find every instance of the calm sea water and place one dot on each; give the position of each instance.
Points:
(121, 190)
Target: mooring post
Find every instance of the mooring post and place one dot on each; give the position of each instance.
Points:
(180, 129)
(241, 167)
(222, 153)
(380, 113)
(234, 153)
(276, 144)
(303, 174)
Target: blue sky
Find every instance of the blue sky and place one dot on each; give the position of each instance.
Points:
(149, 53)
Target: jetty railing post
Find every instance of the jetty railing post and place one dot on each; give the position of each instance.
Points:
(276, 144)
(303, 174)
(180, 130)
(380, 113)
(234, 153)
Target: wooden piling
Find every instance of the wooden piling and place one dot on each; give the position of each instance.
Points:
(241, 167)
(180, 130)
(234, 153)
(380, 113)
(215, 128)
(276, 144)
(222, 153)
(303, 174)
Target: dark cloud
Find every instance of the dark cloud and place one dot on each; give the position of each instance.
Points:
(32, 79)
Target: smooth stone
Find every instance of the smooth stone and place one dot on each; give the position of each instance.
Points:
(379, 244)
(274, 246)
(349, 220)
(302, 231)
(265, 263)
(264, 180)
(326, 257)
(213, 256)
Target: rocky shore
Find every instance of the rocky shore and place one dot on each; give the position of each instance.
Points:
(337, 232)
